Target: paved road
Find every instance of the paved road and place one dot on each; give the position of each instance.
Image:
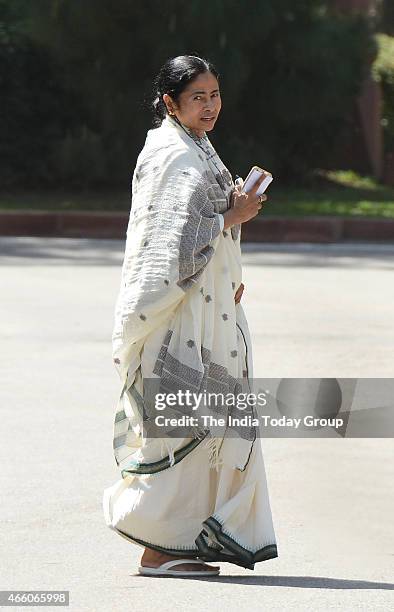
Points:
(312, 310)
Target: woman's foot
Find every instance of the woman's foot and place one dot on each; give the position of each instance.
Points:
(154, 558)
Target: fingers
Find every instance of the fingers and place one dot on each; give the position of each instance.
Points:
(261, 198)
(239, 293)
(239, 183)
(257, 184)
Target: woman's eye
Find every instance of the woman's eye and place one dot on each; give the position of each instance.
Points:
(199, 97)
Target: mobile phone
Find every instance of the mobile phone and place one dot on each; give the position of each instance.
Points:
(253, 176)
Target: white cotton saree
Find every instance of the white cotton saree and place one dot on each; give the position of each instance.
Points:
(177, 327)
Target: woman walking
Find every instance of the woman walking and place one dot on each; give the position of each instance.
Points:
(190, 496)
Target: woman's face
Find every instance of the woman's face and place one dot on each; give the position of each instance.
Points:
(200, 99)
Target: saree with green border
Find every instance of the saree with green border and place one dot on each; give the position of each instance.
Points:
(178, 328)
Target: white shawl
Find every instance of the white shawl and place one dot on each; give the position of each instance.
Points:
(180, 271)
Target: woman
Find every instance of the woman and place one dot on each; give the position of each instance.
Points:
(187, 494)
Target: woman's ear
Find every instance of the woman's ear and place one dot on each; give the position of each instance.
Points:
(169, 103)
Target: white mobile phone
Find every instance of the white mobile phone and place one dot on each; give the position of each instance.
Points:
(253, 176)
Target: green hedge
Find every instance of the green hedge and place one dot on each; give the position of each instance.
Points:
(289, 74)
(36, 108)
(383, 72)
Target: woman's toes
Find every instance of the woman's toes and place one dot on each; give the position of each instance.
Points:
(155, 559)
(187, 567)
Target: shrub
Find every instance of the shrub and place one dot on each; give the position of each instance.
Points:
(289, 74)
(383, 72)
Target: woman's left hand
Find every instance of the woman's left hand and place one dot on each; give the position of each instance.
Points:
(239, 293)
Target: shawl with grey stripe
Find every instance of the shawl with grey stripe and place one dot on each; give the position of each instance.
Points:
(180, 268)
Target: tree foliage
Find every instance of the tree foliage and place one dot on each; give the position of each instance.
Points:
(289, 73)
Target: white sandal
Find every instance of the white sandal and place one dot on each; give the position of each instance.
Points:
(164, 569)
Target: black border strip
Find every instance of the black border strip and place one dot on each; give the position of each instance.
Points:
(158, 466)
(236, 554)
(243, 556)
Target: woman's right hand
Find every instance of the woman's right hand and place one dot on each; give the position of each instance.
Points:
(245, 206)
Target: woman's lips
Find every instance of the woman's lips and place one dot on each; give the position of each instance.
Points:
(207, 118)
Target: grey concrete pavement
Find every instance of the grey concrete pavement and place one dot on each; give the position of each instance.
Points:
(313, 311)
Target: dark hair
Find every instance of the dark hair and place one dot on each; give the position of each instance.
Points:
(173, 77)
